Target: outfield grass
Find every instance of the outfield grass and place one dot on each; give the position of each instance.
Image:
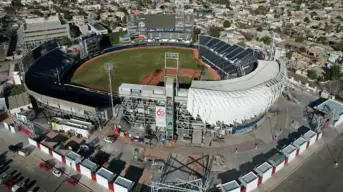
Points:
(130, 66)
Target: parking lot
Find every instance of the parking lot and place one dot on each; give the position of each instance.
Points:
(36, 179)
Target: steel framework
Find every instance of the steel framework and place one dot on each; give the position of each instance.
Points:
(184, 174)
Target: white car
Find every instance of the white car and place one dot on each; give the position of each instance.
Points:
(109, 139)
(57, 172)
(17, 186)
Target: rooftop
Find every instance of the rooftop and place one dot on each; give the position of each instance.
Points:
(229, 186)
(248, 178)
(309, 134)
(300, 141)
(276, 159)
(105, 174)
(98, 27)
(335, 106)
(121, 181)
(264, 167)
(42, 19)
(73, 156)
(289, 149)
(265, 71)
(89, 164)
(18, 101)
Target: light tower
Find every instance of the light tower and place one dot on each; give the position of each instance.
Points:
(110, 72)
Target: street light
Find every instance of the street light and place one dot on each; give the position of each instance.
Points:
(110, 71)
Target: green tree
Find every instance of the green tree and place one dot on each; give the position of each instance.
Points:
(339, 46)
(313, 14)
(266, 40)
(226, 24)
(312, 74)
(299, 39)
(259, 28)
(242, 43)
(74, 31)
(67, 15)
(248, 36)
(339, 18)
(16, 4)
(333, 73)
(261, 10)
(214, 31)
(289, 54)
(307, 20)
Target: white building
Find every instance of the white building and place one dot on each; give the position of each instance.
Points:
(35, 31)
(78, 127)
(97, 28)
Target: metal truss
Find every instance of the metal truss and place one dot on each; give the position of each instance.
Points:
(174, 165)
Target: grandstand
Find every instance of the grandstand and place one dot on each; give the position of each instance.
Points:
(161, 28)
(228, 60)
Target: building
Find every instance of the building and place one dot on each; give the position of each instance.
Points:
(35, 31)
(97, 28)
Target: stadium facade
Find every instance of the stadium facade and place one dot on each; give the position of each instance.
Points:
(235, 104)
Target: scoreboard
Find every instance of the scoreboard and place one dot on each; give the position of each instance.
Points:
(141, 24)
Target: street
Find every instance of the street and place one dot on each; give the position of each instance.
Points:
(319, 173)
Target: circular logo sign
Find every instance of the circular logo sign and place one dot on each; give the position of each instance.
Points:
(141, 24)
(160, 113)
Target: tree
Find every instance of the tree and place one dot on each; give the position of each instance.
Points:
(67, 15)
(339, 18)
(16, 4)
(312, 74)
(259, 28)
(339, 46)
(313, 14)
(214, 31)
(266, 40)
(289, 54)
(307, 20)
(242, 43)
(299, 39)
(261, 10)
(333, 73)
(74, 31)
(226, 24)
(248, 36)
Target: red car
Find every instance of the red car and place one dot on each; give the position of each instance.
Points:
(45, 165)
(71, 181)
(10, 184)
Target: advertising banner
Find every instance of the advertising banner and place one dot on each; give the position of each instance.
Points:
(160, 114)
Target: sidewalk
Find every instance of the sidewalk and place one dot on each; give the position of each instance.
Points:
(280, 176)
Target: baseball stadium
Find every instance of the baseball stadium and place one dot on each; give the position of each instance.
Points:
(162, 81)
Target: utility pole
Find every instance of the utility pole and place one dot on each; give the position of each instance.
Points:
(109, 70)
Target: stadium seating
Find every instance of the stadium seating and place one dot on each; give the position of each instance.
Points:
(223, 57)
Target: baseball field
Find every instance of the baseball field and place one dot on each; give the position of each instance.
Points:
(141, 66)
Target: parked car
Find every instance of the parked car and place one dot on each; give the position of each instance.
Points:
(57, 172)
(22, 153)
(13, 148)
(3, 177)
(45, 165)
(71, 181)
(16, 187)
(10, 184)
(109, 139)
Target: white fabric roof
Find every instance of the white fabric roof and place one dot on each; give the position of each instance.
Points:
(235, 100)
